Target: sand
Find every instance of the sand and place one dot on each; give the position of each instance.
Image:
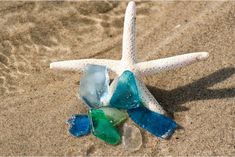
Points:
(36, 101)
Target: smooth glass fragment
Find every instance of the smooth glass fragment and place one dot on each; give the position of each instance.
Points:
(157, 124)
(102, 127)
(116, 116)
(131, 138)
(94, 84)
(79, 125)
(126, 95)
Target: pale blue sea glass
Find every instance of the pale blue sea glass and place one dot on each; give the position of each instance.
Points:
(94, 84)
(125, 95)
(157, 124)
(79, 125)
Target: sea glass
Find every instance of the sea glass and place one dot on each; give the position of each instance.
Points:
(102, 127)
(115, 116)
(131, 138)
(79, 125)
(157, 124)
(93, 87)
(125, 95)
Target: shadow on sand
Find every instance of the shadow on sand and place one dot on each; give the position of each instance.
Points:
(172, 100)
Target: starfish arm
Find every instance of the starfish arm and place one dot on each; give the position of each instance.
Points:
(148, 99)
(128, 43)
(156, 66)
(79, 65)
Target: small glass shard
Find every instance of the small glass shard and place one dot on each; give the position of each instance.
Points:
(126, 95)
(157, 124)
(94, 84)
(116, 116)
(79, 125)
(102, 128)
(131, 138)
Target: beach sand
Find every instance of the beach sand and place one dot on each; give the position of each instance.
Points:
(36, 101)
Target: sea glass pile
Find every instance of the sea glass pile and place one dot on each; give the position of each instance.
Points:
(110, 106)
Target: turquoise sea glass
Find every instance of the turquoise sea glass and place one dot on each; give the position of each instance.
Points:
(125, 95)
(93, 87)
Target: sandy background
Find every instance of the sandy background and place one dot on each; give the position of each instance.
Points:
(36, 101)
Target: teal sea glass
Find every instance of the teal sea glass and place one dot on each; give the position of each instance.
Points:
(126, 94)
(93, 87)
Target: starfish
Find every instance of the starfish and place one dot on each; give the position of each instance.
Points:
(129, 61)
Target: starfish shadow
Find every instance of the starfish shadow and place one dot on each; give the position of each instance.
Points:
(172, 100)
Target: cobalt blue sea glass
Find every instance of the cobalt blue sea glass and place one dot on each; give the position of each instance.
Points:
(94, 85)
(80, 125)
(157, 124)
(126, 95)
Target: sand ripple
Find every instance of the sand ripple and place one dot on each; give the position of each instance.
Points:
(33, 33)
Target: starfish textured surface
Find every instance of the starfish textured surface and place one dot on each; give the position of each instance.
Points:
(129, 62)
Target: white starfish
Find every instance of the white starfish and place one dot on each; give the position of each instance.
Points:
(129, 62)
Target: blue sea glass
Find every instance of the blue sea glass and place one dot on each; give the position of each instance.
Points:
(157, 124)
(79, 125)
(126, 95)
(94, 86)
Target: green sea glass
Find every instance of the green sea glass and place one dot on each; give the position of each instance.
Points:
(102, 127)
(115, 116)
